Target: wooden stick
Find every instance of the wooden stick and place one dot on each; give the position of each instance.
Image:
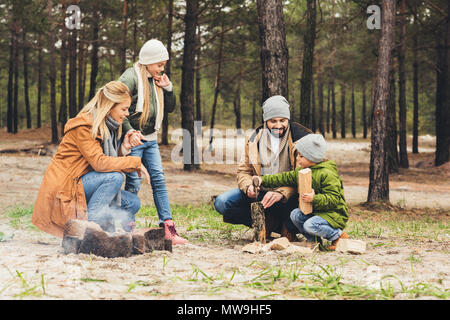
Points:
(304, 186)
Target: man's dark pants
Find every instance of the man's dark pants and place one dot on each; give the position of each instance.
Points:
(234, 206)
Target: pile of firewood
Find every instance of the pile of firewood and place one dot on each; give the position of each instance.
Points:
(82, 236)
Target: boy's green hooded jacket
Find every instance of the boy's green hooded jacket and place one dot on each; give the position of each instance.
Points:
(329, 202)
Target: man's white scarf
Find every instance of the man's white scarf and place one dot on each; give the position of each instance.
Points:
(140, 100)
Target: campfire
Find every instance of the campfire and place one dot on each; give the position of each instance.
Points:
(82, 236)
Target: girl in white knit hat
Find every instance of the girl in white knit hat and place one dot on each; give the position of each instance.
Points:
(152, 93)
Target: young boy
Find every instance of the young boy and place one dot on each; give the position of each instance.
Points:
(330, 215)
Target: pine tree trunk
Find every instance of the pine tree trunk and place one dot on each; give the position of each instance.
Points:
(333, 109)
(81, 72)
(254, 112)
(307, 70)
(94, 57)
(123, 51)
(379, 174)
(187, 84)
(63, 82)
(313, 106)
(320, 97)
(52, 75)
(274, 50)
(39, 85)
(198, 105)
(391, 126)
(343, 114)
(364, 110)
(16, 81)
(402, 89)
(165, 124)
(73, 106)
(415, 141)
(328, 107)
(25, 80)
(10, 110)
(353, 113)
(216, 86)
(237, 103)
(443, 94)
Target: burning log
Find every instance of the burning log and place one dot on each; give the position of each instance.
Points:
(106, 244)
(147, 240)
(82, 236)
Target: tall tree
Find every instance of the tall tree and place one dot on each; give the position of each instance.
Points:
(391, 124)
(165, 124)
(123, 48)
(364, 109)
(402, 88)
(63, 83)
(379, 174)
(187, 85)
(94, 54)
(10, 110)
(273, 48)
(52, 73)
(415, 141)
(443, 92)
(353, 113)
(343, 114)
(25, 78)
(39, 84)
(308, 58)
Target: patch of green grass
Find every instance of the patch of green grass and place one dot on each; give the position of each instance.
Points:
(37, 290)
(201, 222)
(20, 217)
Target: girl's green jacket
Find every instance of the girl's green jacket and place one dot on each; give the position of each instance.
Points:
(329, 202)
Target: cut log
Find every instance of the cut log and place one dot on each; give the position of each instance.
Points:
(259, 221)
(149, 239)
(304, 186)
(101, 243)
(351, 246)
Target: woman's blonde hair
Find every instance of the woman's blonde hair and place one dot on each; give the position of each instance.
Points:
(146, 106)
(105, 99)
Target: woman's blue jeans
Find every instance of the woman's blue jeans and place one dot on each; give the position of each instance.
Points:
(100, 189)
(312, 226)
(151, 158)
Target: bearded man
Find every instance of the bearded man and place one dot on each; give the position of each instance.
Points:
(268, 150)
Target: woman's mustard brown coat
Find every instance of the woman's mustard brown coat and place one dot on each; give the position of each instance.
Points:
(61, 196)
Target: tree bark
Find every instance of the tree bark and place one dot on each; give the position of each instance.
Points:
(353, 113)
(364, 110)
(443, 94)
(187, 84)
(237, 103)
(333, 108)
(273, 48)
(402, 89)
(379, 174)
(320, 97)
(216, 85)
(343, 114)
(16, 81)
(94, 57)
(73, 106)
(328, 107)
(10, 110)
(52, 75)
(313, 106)
(391, 126)
(307, 70)
(415, 141)
(198, 105)
(123, 49)
(39, 85)
(81, 72)
(25, 80)
(63, 103)
(165, 124)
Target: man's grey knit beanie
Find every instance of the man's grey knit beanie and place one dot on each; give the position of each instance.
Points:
(312, 147)
(276, 107)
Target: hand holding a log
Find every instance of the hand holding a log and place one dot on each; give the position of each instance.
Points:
(308, 197)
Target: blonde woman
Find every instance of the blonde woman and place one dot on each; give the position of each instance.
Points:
(152, 93)
(84, 178)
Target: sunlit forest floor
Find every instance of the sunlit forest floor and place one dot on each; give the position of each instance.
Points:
(407, 244)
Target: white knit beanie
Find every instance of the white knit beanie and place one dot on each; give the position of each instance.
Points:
(153, 51)
(312, 147)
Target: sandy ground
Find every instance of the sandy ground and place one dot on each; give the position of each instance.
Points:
(27, 256)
